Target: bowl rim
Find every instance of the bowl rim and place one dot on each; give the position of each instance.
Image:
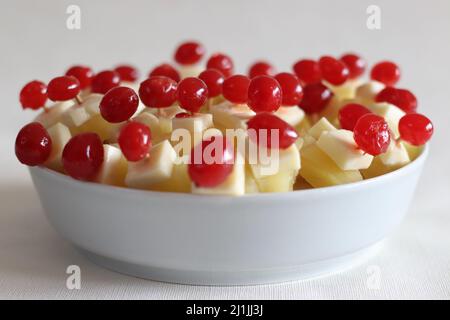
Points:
(97, 187)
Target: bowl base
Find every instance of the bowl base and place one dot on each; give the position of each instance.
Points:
(238, 278)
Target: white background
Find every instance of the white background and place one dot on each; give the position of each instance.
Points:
(35, 43)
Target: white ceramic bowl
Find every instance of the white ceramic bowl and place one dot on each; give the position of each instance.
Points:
(222, 240)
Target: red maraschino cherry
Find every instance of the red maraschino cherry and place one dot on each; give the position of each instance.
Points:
(83, 156)
(211, 162)
(355, 64)
(135, 140)
(214, 81)
(372, 134)
(104, 81)
(235, 88)
(33, 144)
(308, 71)
(119, 104)
(192, 94)
(386, 72)
(270, 122)
(189, 52)
(127, 73)
(84, 74)
(291, 89)
(158, 92)
(33, 95)
(402, 98)
(350, 113)
(264, 94)
(333, 70)
(63, 88)
(415, 128)
(315, 98)
(261, 68)
(165, 70)
(221, 62)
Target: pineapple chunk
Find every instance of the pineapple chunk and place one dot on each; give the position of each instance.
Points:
(60, 135)
(229, 116)
(396, 155)
(234, 184)
(114, 168)
(292, 115)
(155, 168)
(392, 114)
(53, 114)
(323, 125)
(366, 93)
(340, 146)
(320, 171)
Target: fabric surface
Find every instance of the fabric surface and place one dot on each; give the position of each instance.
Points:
(414, 261)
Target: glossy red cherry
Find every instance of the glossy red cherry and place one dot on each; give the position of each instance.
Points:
(291, 89)
(84, 74)
(83, 156)
(386, 72)
(192, 94)
(308, 71)
(350, 113)
(333, 70)
(158, 92)
(183, 115)
(33, 144)
(165, 70)
(33, 95)
(372, 134)
(235, 88)
(119, 104)
(261, 68)
(221, 62)
(214, 81)
(189, 53)
(135, 140)
(355, 64)
(264, 94)
(211, 162)
(402, 98)
(127, 73)
(315, 98)
(415, 128)
(104, 81)
(270, 122)
(63, 88)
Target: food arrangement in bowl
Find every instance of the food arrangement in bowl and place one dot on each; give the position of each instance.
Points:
(222, 137)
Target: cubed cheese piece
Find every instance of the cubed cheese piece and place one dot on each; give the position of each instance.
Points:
(152, 121)
(304, 125)
(155, 168)
(229, 116)
(60, 135)
(320, 171)
(301, 184)
(75, 117)
(197, 123)
(331, 111)
(114, 167)
(413, 151)
(345, 91)
(323, 125)
(106, 130)
(377, 168)
(396, 155)
(92, 103)
(366, 93)
(392, 114)
(234, 184)
(53, 114)
(340, 146)
(251, 186)
(292, 115)
(179, 181)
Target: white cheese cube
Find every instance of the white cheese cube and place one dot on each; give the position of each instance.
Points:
(292, 115)
(391, 113)
(53, 114)
(155, 168)
(196, 123)
(114, 167)
(347, 90)
(395, 155)
(323, 125)
(366, 93)
(92, 103)
(340, 146)
(60, 135)
(75, 117)
(229, 116)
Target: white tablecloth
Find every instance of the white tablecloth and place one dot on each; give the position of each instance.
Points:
(414, 261)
